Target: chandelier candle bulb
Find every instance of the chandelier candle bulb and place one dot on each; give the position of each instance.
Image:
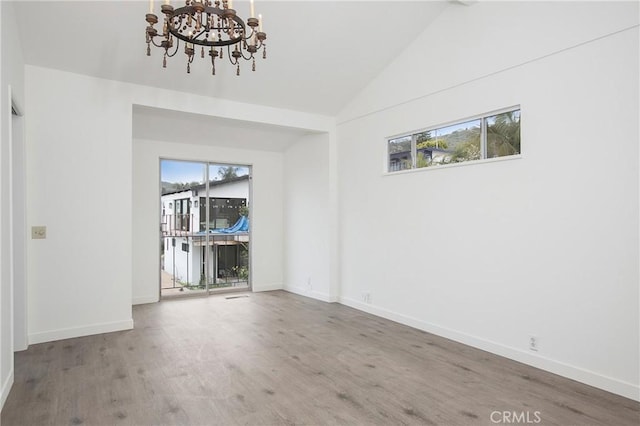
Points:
(150, 6)
(260, 22)
(253, 11)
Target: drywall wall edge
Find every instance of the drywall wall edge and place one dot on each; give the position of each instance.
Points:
(6, 388)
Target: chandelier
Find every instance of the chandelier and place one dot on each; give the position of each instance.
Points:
(213, 26)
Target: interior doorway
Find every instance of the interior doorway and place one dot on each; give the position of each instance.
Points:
(204, 227)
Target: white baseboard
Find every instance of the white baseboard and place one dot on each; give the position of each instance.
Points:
(68, 333)
(588, 377)
(266, 287)
(6, 388)
(145, 299)
(22, 347)
(308, 293)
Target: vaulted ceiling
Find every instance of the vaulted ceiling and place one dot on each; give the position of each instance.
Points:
(320, 53)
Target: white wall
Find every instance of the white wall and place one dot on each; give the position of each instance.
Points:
(489, 254)
(79, 141)
(307, 213)
(11, 226)
(79, 186)
(470, 42)
(266, 214)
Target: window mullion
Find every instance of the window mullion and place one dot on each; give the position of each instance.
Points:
(414, 150)
(483, 138)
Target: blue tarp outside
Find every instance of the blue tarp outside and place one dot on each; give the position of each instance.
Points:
(242, 225)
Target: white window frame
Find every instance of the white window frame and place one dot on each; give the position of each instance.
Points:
(483, 143)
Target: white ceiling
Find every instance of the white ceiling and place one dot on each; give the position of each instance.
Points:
(320, 53)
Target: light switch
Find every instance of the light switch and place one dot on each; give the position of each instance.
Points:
(38, 232)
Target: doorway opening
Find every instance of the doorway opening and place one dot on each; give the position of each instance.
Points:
(204, 227)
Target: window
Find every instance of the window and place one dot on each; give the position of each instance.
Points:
(400, 154)
(503, 134)
(183, 215)
(489, 136)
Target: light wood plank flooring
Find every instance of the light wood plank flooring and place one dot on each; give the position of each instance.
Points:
(277, 358)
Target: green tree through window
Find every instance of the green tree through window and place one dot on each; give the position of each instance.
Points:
(503, 134)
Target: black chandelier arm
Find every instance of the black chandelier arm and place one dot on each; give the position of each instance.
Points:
(198, 35)
(207, 43)
(246, 57)
(174, 51)
(153, 41)
(232, 60)
(187, 39)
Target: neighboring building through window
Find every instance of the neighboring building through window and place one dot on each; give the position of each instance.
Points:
(488, 136)
(223, 212)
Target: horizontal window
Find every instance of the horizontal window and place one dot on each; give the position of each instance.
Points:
(489, 136)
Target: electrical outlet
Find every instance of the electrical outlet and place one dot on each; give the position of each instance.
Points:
(309, 285)
(533, 343)
(366, 297)
(38, 232)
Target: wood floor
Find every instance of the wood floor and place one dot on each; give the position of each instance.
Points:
(277, 358)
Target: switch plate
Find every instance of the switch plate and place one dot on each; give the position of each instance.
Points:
(38, 232)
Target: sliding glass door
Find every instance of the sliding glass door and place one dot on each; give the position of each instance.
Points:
(204, 222)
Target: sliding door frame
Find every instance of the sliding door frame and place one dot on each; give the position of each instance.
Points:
(208, 252)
